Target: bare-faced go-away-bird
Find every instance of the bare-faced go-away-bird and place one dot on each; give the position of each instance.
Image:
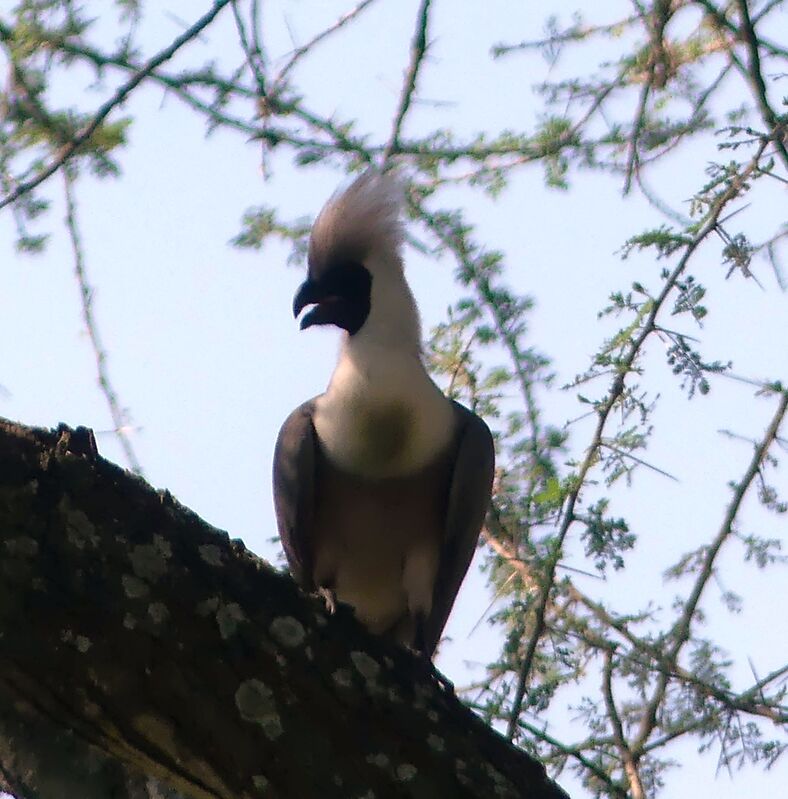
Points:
(382, 483)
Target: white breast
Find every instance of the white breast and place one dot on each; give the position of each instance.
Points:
(382, 415)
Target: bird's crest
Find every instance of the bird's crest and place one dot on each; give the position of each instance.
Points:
(363, 220)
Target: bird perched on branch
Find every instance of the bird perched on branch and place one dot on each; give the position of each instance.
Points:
(381, 484)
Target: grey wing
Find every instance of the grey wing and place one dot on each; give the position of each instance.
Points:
(469, 500)
(294, 478)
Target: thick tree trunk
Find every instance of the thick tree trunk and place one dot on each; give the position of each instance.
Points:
(139, 648)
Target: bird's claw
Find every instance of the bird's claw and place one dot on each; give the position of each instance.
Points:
(330, 598)
(441, 679)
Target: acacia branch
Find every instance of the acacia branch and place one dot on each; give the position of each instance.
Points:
(69, 149)
(301, 51)
(721, 21)
(575, 33)
(119, 416)
(777, 128)
(654, 659)
(456, 243)
(605, 408)
(251, 48)
(578, 753)
(681, 630)
(58, 132)
(182, 85)
(625, 752)
(418, 48)
(633, 159)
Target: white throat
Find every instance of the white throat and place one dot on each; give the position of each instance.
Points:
(382, 415)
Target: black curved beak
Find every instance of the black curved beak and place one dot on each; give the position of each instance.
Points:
(308, 294)
(325, 302)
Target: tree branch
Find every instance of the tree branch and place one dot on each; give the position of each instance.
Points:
(131, 628)
(777, 129)
(577, 752)
(301, 51)
(681, 630)
(68, 150)
(625, 752)
(654, 658)
(119, 415)
(605, 408)
(418, 48)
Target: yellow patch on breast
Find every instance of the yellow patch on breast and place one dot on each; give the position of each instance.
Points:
(384, 432)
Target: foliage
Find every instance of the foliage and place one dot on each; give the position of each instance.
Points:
(684, 73)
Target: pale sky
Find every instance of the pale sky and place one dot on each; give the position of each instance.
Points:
(205, 353)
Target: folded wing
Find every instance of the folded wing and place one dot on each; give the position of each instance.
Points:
(469, 500)
(294, 491)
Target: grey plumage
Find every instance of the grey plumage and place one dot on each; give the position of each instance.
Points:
(381, 484)
(449, 498)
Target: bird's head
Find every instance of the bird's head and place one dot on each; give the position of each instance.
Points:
(355, 279)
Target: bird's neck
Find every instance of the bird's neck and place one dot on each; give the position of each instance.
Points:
(372, 371)
(381, 414)
(393, 321)
(382, 362)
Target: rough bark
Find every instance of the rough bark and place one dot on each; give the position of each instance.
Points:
(141, 648)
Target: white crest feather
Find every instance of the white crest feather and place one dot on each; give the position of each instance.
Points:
(362, 222)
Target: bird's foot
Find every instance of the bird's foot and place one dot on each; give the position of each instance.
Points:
(419, 637)
(431, 673)
(420, 646)
(329, 597)
(441, 679)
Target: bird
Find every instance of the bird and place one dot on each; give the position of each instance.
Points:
(381, 483)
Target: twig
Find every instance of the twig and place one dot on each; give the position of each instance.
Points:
(697, 723)
(525, 572)
(68, 150)
(119, 416)
(252, 52)
(632, 457)
(777, 128)
(625, 753)
(257, 27)
(640, 118)
(681, 631)
(758, 687)
(301, 51)
(417, 50)
(655, 660)
(498, 594)
(577, 752)
(460, 363)
(616, 390)
(572, 34)
(255, 60)
(460, 250)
